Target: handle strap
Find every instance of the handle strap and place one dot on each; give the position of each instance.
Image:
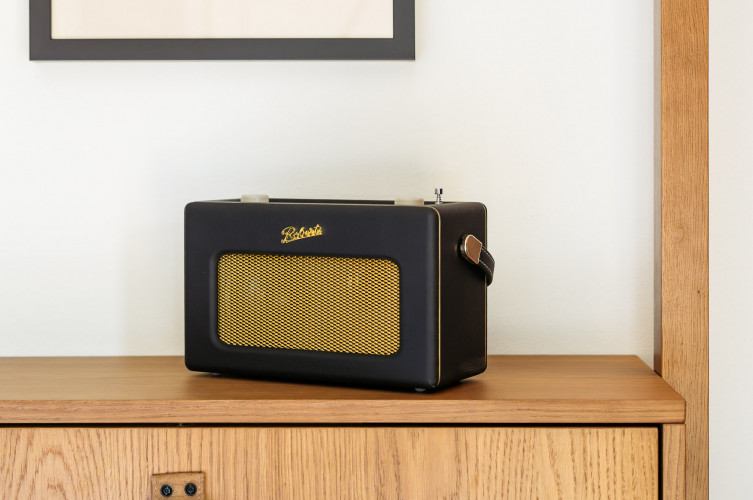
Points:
(474, 252)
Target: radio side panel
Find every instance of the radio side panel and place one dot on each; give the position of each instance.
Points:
(463, 294)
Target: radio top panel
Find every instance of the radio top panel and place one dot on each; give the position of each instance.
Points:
(399, 201)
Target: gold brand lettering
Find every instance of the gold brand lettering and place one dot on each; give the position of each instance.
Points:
(292, 233)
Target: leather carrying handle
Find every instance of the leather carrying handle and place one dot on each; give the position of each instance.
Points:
(474, 252)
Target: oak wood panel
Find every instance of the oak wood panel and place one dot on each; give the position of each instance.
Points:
(333, 463)
(514, 389)
(673, 462)
(682, 345)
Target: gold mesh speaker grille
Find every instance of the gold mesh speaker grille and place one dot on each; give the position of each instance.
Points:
(336, 304)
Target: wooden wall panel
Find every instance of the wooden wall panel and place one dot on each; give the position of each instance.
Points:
(328, 463)
(682, 340)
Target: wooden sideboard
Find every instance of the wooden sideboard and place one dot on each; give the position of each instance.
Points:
(576, 427)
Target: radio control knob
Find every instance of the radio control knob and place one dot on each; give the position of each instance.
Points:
(255, 198)
(409, 201)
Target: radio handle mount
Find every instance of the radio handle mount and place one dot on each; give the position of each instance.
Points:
(473, 250)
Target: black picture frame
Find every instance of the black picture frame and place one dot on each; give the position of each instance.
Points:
(400, 47)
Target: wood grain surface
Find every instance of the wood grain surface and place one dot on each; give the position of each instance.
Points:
(333, 463)
(673, 462)
(683, 339)
(514, 389)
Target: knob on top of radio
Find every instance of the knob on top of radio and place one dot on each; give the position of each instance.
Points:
(255, 198)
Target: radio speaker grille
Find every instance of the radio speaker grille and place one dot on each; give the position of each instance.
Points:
(312, 303)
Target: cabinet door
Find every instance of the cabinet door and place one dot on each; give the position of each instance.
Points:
(333, 462)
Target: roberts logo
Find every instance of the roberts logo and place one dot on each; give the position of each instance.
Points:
(291, 233)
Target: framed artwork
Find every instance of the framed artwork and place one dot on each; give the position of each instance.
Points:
(221, 29)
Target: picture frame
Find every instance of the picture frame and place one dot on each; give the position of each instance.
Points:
(43, 46)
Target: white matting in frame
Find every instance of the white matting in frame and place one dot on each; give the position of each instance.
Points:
(191, 19)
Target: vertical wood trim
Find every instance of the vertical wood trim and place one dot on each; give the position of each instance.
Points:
(673, 462)
(683, 347)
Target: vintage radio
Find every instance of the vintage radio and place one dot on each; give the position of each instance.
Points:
(389, 293)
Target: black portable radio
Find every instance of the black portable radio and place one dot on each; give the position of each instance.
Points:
(389, 293)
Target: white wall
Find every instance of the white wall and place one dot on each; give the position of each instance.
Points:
(543, 110)
(731, 246)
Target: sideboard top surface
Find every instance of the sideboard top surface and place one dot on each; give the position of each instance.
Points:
(159, 389)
